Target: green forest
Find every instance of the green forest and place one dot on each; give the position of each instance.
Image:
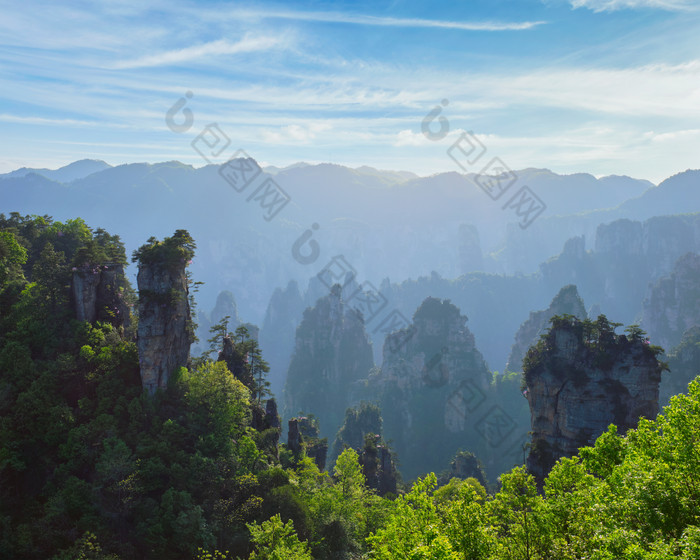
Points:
(94, 467)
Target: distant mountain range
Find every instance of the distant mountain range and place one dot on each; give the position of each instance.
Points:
(385, 223)
(66, 174)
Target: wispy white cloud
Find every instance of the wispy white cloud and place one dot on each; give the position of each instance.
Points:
(612, 5)
(214, 48)
(42, 121)
(361, 19)
(658, 90)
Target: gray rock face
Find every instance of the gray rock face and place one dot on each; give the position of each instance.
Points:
(277, 333)
(303, 433)
(378, 468)
(470, 255)
(96, 294)
(684, 366)
(653, 245)
(428, 385)
(332, 353)
(566, 302)
(84, 292)
(577, 387)
(672, 305)
(271, 415)
(164, 317)
(294, 440)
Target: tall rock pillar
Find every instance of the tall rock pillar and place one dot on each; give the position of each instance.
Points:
(164, 329)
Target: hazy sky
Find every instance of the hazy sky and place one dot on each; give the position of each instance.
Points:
(604, 86)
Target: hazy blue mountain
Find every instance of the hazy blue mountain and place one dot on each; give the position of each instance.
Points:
(678, 194)
(386, 224)
(66, 174)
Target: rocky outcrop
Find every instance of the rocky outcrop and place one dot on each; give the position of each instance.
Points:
(164, 334)
(566, 302)
(294, 440)
(98, 294)
(628, 255)
(580, 378)
(303, 434)
(471, 257)
(378, 467)
(661, 240)
(359, 422)
(264, 418)
(431, 381)
(464, 465)
(683, 364)
(672, 305)
(332, 353)
(235, 362)
(282, 318)
(225, 306)
(271, 415)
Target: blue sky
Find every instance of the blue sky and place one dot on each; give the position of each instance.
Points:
(601, 86)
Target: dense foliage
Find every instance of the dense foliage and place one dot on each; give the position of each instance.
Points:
(91, 467)
(599, 342)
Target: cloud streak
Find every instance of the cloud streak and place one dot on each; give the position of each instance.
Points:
(613, 5)
(221, 47)
(360, 19)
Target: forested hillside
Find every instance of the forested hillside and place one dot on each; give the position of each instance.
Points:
(93, 466)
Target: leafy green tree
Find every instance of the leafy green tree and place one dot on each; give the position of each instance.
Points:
(51, 274)
(218, 332)
(520, 521)
(12, 256)
(462, 508)
(348, 472)
(415, 530)
(275, 540)
(218, 405)
(258, 370)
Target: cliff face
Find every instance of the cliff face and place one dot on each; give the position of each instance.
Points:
(566, 302)
(581, 378)
(225, 306)
(470, 256)
(427, 387)
(684, 366)
(672, 305)
(97, 294)
(164, 319)
(628, 256)
(304, 433)
(332, 353)
(378, 468)
(277, 333)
